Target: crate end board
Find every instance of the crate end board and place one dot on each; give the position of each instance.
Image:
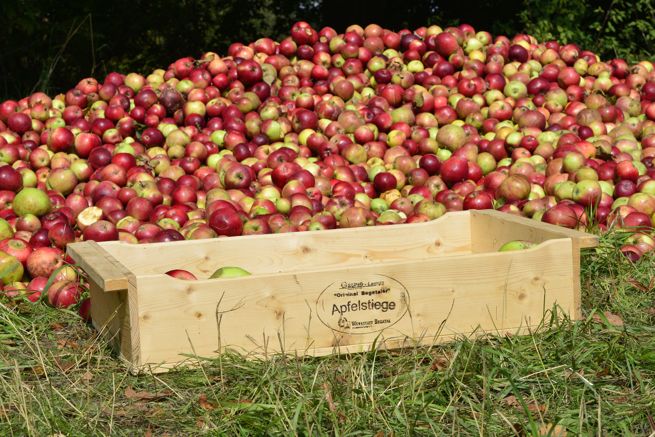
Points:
(490, 228)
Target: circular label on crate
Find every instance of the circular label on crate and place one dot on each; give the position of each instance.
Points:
(362, 305)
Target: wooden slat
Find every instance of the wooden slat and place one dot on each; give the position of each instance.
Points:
(302, 250)
(103, 269)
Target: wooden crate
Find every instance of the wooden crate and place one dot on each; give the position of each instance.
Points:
(324, 292)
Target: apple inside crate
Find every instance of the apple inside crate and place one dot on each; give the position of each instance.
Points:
(324, 292)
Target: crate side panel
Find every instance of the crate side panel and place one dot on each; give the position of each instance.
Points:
(351, 309)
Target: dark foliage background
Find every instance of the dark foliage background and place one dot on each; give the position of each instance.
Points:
(51, 44)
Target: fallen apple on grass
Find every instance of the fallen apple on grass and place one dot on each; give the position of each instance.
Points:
(84, 309)
(63, 294)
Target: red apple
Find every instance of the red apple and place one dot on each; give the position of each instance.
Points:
(60, 139)
(562, 215)
(61, 234)
(478, 200)
(10, 179)
(454, 170)
(513, 188)
(101, 230)
(44, 260)
(182, 274)
(238, 176)
(17, 248)
(384, 181)
(63, 294)
(226, 222)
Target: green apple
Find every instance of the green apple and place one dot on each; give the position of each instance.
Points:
(11, 270)
(229, 272)
(31, 201)
(516, 245)
(379, 205)
(486, 162)
(6, 231)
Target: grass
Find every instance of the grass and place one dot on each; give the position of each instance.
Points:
(592, 377)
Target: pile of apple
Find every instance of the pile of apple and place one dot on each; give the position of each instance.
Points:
(325, 130)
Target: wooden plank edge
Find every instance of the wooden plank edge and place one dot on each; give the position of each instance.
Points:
(103, 269)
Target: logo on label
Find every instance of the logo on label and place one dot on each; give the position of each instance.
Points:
(363, 305)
